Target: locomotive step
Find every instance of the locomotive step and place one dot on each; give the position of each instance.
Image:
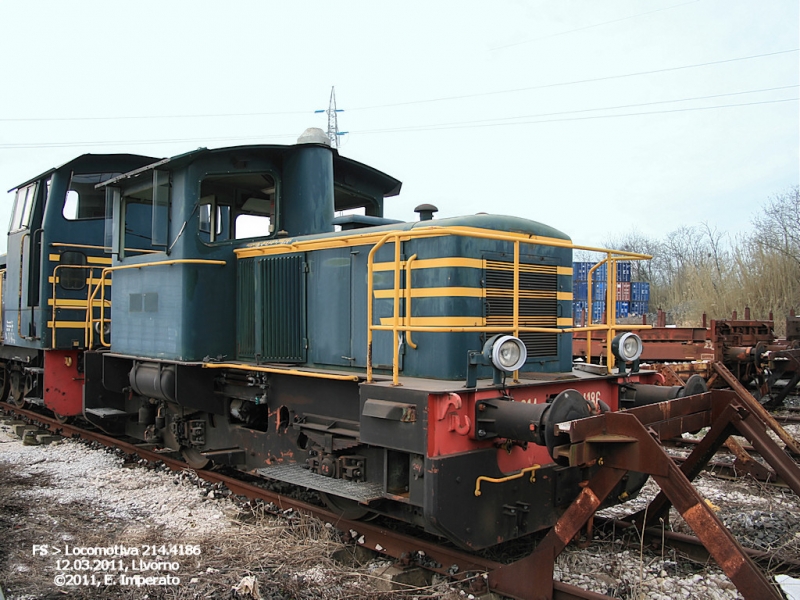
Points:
(108, 413)
(230, 456)
(297, 475)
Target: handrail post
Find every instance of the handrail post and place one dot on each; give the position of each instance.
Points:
(611, 308)
(407, 318)
(396, 315)
(370, 293)
(516, 300)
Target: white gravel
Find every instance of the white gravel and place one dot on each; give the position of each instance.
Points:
(73, 473)
(141, 503)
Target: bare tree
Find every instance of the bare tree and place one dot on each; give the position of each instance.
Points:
(777, 228)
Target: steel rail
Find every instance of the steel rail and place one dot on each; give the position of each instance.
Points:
(402, 547)
(694, 549)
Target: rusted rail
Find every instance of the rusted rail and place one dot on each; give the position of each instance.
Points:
(440, 559)
(691, 547)
(612, 444)
(616, 443)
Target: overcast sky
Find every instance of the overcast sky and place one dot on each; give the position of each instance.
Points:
(594, 117)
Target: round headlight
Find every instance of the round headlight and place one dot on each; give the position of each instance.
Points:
(508, 353)
(627, 346)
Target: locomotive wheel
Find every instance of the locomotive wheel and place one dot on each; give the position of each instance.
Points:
(5, 384)
(346, 508)
(17, 388)
(61, 418)
(194, 459)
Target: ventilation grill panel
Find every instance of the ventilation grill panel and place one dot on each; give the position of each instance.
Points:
(538, 303)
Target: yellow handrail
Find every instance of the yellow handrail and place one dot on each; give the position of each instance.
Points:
(89, 306)
(398, 237)
(276, 370)
(411, 259)
(105, 248)
(107, 270)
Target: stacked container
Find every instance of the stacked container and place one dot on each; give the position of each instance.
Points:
(633, 298)
(640, 297)
(580, 288)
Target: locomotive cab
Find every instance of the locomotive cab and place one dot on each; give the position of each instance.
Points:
(55, 253)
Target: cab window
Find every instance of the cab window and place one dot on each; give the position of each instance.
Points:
(83, 201)
(237, 207)
(23, 205)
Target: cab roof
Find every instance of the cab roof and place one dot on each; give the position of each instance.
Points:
(83, 159)
(344, 167)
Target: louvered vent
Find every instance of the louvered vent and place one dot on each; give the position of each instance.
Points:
(538, 304)
(283, 308)
(246, 315)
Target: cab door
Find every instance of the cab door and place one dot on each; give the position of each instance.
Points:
(21, 297)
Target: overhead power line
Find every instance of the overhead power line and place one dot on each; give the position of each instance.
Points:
(138, 117)
(620, 106)
(230, 138)
(432, 127)
(406, 103)
(585, 118)
(560, 33)
(574, 82)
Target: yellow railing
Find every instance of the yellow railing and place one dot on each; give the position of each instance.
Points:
(2, 305)
(101, 248)
(108, 270)
(403, 323)
(60, 302)
(611, 306)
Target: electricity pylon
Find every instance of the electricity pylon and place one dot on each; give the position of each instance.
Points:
(333, 122)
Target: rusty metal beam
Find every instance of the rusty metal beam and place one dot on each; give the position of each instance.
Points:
(620, 442)
(721, 544)
(755, 431)
(532, 577)
(755, 407)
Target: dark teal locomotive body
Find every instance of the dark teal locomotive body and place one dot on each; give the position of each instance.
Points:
(309, 308)
(253, 307)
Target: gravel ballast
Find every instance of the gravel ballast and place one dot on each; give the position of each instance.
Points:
(71, 494)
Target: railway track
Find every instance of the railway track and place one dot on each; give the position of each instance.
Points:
(470, 569)
(403, 548)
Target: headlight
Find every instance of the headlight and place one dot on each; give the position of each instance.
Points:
(106, 329)
(627, 347)
(508, 353)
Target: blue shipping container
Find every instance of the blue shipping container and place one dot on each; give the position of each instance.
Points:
(622, 309)
(599, 290)
(601, 273)
(578, 310)
(598, 310)
(580, 271)
(623, 271)
(640, 291)
(579, 290)
(638, 308)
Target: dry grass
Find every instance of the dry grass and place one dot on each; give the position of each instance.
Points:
(697, 269)
(288, 556)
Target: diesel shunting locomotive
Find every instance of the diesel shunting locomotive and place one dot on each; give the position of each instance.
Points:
(214, 304)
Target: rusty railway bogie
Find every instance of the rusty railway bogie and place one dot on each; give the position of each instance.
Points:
(615, 443)
(747, 347)
(629, 441)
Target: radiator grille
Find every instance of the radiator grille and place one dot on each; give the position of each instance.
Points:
(270, 321)
(538, 303)
(283, 308)
(246, 310)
